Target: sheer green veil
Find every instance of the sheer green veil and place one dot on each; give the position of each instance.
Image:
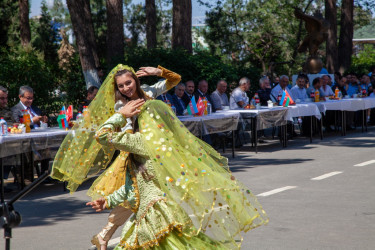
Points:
(80, 156)
(195, 176)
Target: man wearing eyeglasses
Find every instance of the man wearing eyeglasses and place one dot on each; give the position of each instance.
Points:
(26, 95)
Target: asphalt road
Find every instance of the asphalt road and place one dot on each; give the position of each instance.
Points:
(315, 195)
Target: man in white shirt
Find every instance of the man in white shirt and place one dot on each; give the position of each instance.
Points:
(299, 90)
(219, 97)
(282, 86)
(326, 89)
(238, 98)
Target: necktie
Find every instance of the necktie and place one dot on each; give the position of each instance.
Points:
(29, 111)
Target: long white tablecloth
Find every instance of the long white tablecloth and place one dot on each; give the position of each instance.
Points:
(37, 141)
(220, 121)
(305, 109)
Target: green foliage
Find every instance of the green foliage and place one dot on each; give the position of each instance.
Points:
(99, 20)
(72, 83)
(45, 35)
(20, 68)
(8, 9)
(363, 61)
(52, 86)
(254, 32)
(135, 23)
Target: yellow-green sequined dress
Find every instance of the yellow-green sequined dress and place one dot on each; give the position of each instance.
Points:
(178, 187)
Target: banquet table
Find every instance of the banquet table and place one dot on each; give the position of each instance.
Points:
(350, 104)
(210, 124)
(39, 144)
(263, 118)
(35, 141)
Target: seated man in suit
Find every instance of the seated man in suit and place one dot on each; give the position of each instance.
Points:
(26, 95)
(202, 91)
(189, 92)
(165, 97)
(177, 101)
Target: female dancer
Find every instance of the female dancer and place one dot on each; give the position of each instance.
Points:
(114, 176)
(180, 189)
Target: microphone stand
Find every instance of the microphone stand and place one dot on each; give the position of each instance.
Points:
(9, 218)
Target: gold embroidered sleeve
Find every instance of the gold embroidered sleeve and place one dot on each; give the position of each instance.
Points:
(172, 78)
(106, 130)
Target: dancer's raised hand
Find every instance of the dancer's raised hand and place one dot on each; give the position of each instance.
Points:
(131, 108)
(99, 205)
(148, 71)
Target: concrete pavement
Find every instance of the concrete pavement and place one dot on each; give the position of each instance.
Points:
(314, 194)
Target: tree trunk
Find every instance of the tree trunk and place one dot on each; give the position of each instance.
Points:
(115, 32)
(24, 22)
(345, 49)
(331, 44)
(181, 27)
(151, 24)
(80, 14)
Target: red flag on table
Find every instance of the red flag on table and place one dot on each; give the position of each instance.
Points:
(69, 113)
(200, 106)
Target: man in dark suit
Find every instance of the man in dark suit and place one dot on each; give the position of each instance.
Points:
(26, 95)
(177, 101)
(189, 92)
(165, 97)
(202, 91)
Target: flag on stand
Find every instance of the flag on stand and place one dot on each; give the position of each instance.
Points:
(286, 99)
(192, 107)
(201, 106)
(61, 119)
(62, 111)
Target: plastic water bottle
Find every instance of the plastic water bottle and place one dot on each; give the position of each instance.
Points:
(79, 117)
(173, 109)
(3, 127)
(209, 108)
(340, 95)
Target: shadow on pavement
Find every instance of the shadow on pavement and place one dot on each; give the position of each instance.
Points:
(254, 163)
(48, 204)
